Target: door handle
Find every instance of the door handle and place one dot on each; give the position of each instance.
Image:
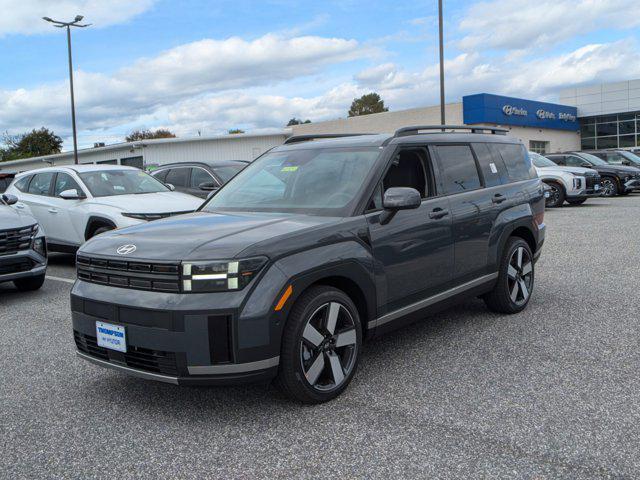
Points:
(438, 213)
(53, 210)
(20, 206)
(498, 198)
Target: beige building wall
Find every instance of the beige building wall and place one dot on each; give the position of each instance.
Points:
(389, 122)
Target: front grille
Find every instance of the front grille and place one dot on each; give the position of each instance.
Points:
(592, 181)
(155, 361)
(159, 277)
(15, 265)
(15, 240)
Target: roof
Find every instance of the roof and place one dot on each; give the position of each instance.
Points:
(79, 168)
(210, 163)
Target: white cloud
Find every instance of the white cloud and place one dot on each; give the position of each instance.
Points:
(523, 24)
(25, 16)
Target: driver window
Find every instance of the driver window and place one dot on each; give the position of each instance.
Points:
(65, 182)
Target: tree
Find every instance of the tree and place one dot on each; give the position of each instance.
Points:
(235, 131)
(137, 135)
(32, 144)
(297, 121)
(366, 104)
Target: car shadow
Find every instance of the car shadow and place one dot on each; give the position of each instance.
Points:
(62, 259)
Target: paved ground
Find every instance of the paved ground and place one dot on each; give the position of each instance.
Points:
(552, 392)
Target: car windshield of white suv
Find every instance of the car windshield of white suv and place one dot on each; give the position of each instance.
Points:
(315, 181)
(540, 161)
(107, 183)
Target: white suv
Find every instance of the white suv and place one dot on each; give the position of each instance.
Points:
(573, 184)
(75, 203)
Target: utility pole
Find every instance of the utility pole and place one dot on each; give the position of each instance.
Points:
(442, 115)
(68, 26)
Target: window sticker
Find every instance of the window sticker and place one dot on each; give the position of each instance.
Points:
(289, 169)
(493, 168)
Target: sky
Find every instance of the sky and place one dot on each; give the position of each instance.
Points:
(204, 67)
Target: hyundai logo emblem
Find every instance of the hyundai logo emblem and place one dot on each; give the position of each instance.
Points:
(126, 249)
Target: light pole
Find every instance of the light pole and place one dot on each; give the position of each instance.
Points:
(68, 25)
(442, 116)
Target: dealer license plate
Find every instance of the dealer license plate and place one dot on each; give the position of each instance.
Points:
(111, 336)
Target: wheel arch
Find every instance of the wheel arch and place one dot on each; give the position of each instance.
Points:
(96, 221)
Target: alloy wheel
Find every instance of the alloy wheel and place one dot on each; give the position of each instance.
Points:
(328, 348)
(520, 276)
(607, 187)
(554, 195)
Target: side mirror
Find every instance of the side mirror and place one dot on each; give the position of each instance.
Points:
(208, 186)
(170, 186)
(399, 198)
(71, 194)
(9, 199)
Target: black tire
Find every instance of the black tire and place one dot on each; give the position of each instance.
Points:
(556, 195)
(501, 299)
(609, 187)
(301, 357)
(577, 201)
(100, 230)
(621, 193)
(29, 284)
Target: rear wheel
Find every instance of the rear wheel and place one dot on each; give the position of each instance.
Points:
(513, 288)
(556, 195)
(609, 187)
(320, 346)
(29, 284)
(577, 201)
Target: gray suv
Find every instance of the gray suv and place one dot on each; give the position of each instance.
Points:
(23, 250)
(316, 246)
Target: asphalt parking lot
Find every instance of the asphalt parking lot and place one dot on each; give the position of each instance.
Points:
(551, 392)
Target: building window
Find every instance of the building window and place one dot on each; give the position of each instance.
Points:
(610, 131)
(539, 146)
(132, 162)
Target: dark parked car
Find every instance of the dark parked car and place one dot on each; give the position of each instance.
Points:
(5, 180)
(23, 250)
(618, 157)
(615, 179)
(199, 178)
(315, 246)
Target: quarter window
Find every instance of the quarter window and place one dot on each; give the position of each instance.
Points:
(41, 183)
(21, 183)
(458, 169)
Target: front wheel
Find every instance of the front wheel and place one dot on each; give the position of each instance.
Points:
(556, 196)
(513, 288)
(609, 187)
(29, 284)
(320, 346)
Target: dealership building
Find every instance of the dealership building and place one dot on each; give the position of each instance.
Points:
(596, 116)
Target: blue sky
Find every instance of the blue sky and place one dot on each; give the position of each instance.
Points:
(213, 65)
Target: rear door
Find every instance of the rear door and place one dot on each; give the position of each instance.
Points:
(472, 210)
(38, 198)
(415, 249)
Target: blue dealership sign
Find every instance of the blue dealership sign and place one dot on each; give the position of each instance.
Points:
(496, 109)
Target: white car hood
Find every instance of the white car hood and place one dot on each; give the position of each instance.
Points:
(559, 170)
(161, 202)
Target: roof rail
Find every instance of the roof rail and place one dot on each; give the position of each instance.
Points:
(306, 138)
(417, 129)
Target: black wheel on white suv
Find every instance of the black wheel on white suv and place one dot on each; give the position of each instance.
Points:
(514, 286)
(320, 346)
(556, 195)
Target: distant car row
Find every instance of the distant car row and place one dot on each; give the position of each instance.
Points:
(71, 204)
(576, 176)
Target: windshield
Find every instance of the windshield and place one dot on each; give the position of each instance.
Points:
(227, 172)
(106, 183)
(633, 158)
(592, 159)
(540, 161)
(314, 181)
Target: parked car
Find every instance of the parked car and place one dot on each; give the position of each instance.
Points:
(75, 203)
(311, 248)
(23, 249)
(573, 184)
(199, 178)
(618, 157)
(615, 179)
(5, 180)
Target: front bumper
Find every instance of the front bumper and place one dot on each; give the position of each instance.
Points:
(194, 339)
(631, 185)
(23, 264)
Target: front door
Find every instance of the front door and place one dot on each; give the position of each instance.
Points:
(414, 251)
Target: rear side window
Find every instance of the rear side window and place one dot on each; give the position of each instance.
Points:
(41, 183)
(492, 167)
(516, 160)
(179, 177)
(458, 170)
(21, 183)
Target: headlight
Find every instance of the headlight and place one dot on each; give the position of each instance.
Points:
(39, 245)
(220, 276)
(144, 216)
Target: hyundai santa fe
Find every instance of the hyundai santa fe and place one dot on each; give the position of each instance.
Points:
(316, 246)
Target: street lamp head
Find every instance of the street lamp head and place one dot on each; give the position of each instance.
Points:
(78, 18)
(48, 19)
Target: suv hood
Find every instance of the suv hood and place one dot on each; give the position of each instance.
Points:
(559, 169)
(10, 218)
(619, 169)
(201, 235)
(161, 202)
